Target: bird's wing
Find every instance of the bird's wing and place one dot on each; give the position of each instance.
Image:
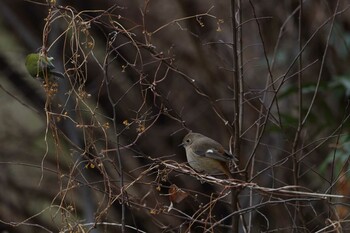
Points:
(46, 63)
(209, 150)
(215, 154)
(231, 155)
(218, 154)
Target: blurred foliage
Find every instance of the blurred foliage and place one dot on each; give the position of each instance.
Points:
(98, 151)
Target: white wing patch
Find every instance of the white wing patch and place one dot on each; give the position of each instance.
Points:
(210, 151)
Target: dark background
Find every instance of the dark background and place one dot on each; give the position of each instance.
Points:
(142, 73)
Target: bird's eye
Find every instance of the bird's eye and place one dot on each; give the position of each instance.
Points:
(188, 140)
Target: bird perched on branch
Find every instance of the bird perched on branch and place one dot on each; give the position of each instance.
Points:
(41, 66)
(207, 155)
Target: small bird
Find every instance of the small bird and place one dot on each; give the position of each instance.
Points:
(41, 66)
(207, 155)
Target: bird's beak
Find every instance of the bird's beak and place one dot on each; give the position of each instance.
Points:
(182, 144)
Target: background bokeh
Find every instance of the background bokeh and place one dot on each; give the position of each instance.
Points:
(100, 153)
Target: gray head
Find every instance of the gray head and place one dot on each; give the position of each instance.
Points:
(190, 138)
(197, 139)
